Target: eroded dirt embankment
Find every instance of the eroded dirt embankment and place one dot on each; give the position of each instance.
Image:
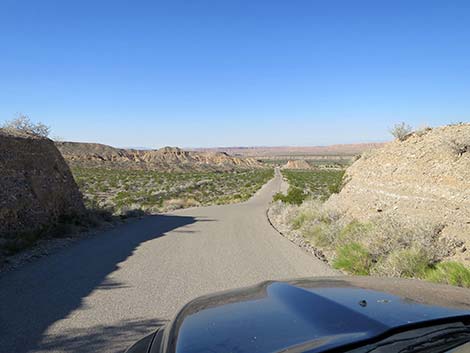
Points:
(36, 185)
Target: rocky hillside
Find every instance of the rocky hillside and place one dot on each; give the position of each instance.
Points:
(297, 164)
(425, 177)
(36, 186)
(164, 159)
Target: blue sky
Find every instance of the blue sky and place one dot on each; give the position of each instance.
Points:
(232, 73)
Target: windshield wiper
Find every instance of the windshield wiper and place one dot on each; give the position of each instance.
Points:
(433, 339)
(440, 342)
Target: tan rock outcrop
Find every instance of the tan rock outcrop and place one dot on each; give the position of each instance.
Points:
(424, 178)
(297, 164)
(36, 186)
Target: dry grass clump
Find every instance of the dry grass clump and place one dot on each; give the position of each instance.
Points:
(354, 258)
(383, 246)
(408, 263)
(284, 213)
(174, 204)
(450, 272)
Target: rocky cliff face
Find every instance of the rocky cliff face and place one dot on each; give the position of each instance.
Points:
(426, 177)
(164, 159)
(36, 186)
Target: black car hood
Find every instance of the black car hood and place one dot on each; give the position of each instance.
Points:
(305, 315)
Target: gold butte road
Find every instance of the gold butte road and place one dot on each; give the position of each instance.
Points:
(103, 293)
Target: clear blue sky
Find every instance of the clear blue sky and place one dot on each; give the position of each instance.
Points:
(228, 72)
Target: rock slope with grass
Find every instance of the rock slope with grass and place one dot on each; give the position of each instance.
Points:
(423, 179)
(403, 211)
(36, 185)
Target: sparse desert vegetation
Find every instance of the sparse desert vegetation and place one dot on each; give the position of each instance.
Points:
(125, 192)
(303, 184)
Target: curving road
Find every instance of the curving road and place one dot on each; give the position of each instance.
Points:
(103, 293)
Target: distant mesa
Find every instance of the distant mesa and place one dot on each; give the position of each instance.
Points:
(297, 164)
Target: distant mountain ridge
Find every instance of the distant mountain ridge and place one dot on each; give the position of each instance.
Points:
(265, 151)
(164, 159)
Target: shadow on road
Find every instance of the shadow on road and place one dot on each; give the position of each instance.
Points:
(99, 338)
(41, 293)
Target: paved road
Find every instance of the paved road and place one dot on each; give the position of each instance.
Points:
(105, 292)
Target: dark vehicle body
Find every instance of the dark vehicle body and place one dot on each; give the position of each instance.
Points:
(357, 314)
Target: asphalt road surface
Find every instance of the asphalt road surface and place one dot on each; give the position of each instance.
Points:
(103, 293)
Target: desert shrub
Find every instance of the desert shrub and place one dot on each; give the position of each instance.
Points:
(450, 272)
(409, 263)
(423, 130)
(459, 147)
(321, 234)
(354, 231)
(174, 204)
(401, 131)
(316, 223)
(456, 123)
(294, 196)
(131, 211)
(309, 211)
(386, 234)
(353, 258)
(335, 188)
(304, 215)
(24, 124)
(283, 212)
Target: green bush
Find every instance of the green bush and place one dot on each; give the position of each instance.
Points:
(353, 258)
(295, 196)
(450, 272)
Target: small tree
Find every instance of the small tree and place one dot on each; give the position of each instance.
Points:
(401, 131)
(23, 123)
